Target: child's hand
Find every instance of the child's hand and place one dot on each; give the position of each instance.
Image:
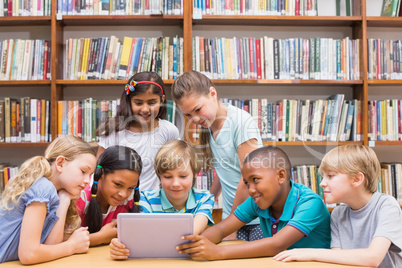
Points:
(109, 231)
(64, 196)
(118, 250)
(80, 240)
(298, 254)
(200, 248)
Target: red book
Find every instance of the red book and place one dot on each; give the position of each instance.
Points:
(297, 7)
(45, 60)
(251, 49)
(10, 8)
(258, 52)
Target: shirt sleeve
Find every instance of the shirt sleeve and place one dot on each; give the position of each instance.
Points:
(310, 214)
(42, 191)
(247, 211)
(246, 129)
(108, 141)
(144, 204)
(206, 205)
(389, 223)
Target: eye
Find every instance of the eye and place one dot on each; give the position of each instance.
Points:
(199, 109)
(153, 102)
(246, 182)
(130, 188)
(117, 184)
(183, 176)
(167, 177)
(83, 171)
(255, 180)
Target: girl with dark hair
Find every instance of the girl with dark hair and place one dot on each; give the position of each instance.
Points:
(115, 189)
(140, 123)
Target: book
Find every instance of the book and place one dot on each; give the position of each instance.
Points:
(390, 8)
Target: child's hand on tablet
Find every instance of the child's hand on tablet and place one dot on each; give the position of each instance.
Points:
(118, 251)
(200, 249)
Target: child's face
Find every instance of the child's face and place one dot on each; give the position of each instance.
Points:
(263, 184)
(177, 183)
(116, 187)
(200, 110)
(335, 186)
(75, 175)
(145, 107)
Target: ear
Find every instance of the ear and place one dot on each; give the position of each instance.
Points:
(212, 92)
(358, 179)
(281, 175)
(59, 163)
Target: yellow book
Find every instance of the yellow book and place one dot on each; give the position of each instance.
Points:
(85, 59)
(313, 179)
(59, 117)
(125, 55)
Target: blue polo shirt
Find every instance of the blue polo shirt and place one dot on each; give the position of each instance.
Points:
(199, 202)
(304, 210)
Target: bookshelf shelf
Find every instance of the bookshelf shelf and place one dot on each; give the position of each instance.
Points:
(139, 20)
(395, 82)
(278, 20)
(310, 143)
(384, 21)
(288, 82)
(24, 82)
(25, 20)
(24, 144)
(388, 142)
(97, 82)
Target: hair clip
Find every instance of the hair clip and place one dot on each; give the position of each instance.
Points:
(131, 86)
(94, 195)
(99, 166)
(137, 203)
(136, 189)
(95, 182)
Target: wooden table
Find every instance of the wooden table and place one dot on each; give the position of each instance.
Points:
(98, 257)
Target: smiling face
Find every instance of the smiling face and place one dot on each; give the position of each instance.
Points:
(177, 183)
(116, 187)
(264, 184)
(201, 110)
(145, 108)
(336, 186)
(75, 175)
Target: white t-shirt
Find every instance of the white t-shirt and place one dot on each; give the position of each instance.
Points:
(380, 217)
(146, 144)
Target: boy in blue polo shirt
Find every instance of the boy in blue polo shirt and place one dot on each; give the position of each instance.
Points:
(291, 215)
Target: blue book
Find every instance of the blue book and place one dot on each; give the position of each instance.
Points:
(137, 54)
(349, 120)
(379, 120)
(175, 54)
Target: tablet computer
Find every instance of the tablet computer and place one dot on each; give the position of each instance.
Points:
(154, 235)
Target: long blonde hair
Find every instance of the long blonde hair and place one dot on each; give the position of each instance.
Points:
(197, 84)
(40, 166)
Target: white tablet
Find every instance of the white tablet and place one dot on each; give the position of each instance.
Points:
(154, 235)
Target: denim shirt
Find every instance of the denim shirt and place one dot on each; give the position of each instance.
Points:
(43, 191)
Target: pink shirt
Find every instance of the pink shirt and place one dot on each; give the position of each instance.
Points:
(111, 214)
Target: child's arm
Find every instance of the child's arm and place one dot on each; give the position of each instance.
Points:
(31, 251)
(200, 223)
(56, 234)
(105, 234)
(201, 247)
(242, 192)
(371, 256)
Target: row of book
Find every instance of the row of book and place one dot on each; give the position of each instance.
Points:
(204, 181)
(25, 59)
(82, 118)
(384, 59)
(24, 120)
(333, 119)
(109, 58)
(120, 7)
(7, 172)
(385, 120)
(391, 8)
(389, 183)
(12, 8)
(270, 58)
(255, 7)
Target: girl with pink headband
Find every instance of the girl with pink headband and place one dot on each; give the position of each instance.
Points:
(140, 123)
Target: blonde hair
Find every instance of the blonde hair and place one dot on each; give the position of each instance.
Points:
(196, 84)
(40, 166)
(350, 160)
(175, 153)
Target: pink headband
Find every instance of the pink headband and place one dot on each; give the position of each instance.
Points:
(131, 86)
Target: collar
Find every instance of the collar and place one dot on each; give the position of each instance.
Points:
(288, 209)
(166, 205)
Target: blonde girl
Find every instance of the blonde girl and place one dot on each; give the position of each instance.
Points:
(228, 134)
(38, 204)
(140, 123)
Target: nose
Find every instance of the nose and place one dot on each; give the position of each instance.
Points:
(87, 179)
(175, 182)
(122, 194)
(251, 189)
(323, 183)
(145, 108)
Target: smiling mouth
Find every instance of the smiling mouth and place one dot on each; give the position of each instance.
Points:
(257, 198)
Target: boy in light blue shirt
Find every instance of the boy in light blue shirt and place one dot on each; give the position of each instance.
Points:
(291, 215)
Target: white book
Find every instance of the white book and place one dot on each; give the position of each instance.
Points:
(27, 56)
(34, 137)
(264, 119)
(342, 120)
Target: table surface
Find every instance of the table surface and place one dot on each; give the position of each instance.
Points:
(99, 257)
